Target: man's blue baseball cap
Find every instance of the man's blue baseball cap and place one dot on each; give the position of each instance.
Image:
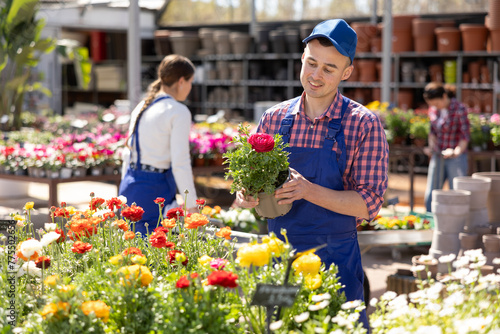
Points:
(342, 36)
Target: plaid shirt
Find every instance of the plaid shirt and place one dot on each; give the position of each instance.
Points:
(451, 128)
(366, 144)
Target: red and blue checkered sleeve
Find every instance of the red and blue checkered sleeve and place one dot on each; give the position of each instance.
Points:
(369, 172)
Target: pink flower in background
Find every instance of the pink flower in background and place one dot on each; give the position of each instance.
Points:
(495, 119)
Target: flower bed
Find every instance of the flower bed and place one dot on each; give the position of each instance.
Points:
(408, 222)
(89, 144)
(89, 271)
(208, 142)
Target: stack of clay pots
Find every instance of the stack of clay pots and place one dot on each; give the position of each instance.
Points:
(185, 43)
(493, 199)
(447, 38)
(450, 209)
(221, 40)
(492, 23)
(240, 42)
(476, 224)
(402, 40)
(366, 32)
(206, 36)
(423, 35)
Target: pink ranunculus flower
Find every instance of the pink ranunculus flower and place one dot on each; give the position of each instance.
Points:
(495, 119)
(218, 264)
(261, 142)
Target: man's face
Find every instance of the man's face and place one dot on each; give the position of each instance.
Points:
(322, 70)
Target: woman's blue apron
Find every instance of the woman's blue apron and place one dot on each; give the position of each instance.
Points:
(142, 187)
(309, 225)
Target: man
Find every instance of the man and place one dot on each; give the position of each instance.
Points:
(338, 157)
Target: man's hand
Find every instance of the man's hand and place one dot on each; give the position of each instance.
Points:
(296, 188)
(247, 202)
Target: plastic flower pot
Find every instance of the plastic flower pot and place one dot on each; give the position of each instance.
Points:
(268, 204)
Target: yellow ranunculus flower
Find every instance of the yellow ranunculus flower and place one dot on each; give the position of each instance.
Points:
(275, 245)
(100, 309)
(29, 206)
(137, 271)
(51, 280)
(67, 288)
(312, 282)
(71, 210)
(18, 218)
(256, 254)
(207, 210)
(308, 263)
(137, 259)
(53, 309)
(204, 260)
(116, 260)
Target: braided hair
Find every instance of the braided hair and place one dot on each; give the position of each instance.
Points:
(171, 69)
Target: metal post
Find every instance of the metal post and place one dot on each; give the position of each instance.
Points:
(254, 20)
(386, 52)
(374, 18)
(134, 55)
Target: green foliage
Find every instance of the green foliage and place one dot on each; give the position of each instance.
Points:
(419, 127)
(479, 130)
(20, 49)
(256, 172)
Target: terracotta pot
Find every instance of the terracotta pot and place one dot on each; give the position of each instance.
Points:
(268, 206)
(402, 41)
(448, 39)
(423, 27)
(476, 217)
(491, 243)
(474, 37)
(431, 266)
(424, 43)
(365, 31)
(405, 98)
(467, 241)
(493, 195)
(376, 44)
(495, 39)
(367, 70)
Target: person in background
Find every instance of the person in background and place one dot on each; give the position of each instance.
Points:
(338, 158)
(448, 138)
(158, 160)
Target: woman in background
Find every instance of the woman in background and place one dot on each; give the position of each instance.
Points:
(448, 138)
(157, 161)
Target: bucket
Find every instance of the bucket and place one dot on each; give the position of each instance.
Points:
(450, 71)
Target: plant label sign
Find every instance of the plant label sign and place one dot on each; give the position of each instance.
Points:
(275, 295)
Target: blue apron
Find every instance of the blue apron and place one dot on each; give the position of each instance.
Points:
(143, 187)
(309, 225)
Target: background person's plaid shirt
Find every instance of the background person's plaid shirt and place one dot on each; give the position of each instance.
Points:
(454, 127)
(367, 148)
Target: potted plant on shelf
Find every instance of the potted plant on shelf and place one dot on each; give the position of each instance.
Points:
(258, 166)
(479, 132)
(419, 130)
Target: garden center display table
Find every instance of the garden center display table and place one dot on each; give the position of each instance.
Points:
(54, 182)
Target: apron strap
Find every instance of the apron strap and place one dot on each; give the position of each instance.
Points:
(335, 134)
(287, 122)
(135, 135)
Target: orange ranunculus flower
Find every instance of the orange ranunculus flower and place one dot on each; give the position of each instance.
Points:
(82, 226)
(217, 209)
(58, 310)
(122, 224)
(81, 247)
(307, 263)
(256, 254)
(137, 272)
(276, 246)
(195, 220)
(100, 309)
(132, 250)
(129, 235)
(169, 223)
(224, 232)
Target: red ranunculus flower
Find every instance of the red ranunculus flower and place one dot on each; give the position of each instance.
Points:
(172, 254)
(261, 142)
(158, 239)
(96, 202)
(172, 213)
(43, 262)
(60, 212)
(133, 213)
(182, 282)
(200, 202)
(222, 278)
(132, 250)
(81, 247)
(161, 229)
(114, 203)
(160, 201)
(62, 237)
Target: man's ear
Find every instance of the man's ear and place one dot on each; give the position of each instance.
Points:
(347, 72)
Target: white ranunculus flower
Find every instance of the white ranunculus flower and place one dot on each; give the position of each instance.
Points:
(30, 269)
(123, 199)
(351, 304)
(49, 238)
(246, 216)
(49, 227)
(101, 213)
(29, 247)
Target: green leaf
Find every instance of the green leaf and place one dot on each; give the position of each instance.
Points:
(21, 11)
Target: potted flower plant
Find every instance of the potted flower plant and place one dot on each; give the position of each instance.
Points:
(419, 130)
(258, 166)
